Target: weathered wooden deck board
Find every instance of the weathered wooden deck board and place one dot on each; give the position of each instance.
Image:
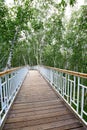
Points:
(37, 107)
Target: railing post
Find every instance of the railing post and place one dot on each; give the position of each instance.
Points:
(70, 93)
(78, 95)
(68, 89)
(6, 91)
(61, 83)
(51, 77)
(82, 102)
(1, 93)
(74, 88)
(56, 80)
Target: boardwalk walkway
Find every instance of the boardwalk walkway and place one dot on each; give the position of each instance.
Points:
(37, 107)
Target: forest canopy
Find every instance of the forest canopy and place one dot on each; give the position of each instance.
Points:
(37, 32)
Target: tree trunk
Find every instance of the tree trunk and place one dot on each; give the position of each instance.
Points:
(8, 65)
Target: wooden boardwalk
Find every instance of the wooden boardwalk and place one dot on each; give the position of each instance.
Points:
(37, 107)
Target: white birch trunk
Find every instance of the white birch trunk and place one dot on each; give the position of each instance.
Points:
(8, 65)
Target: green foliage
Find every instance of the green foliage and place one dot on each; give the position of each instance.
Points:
(4, 52)
(3, 26)
(76, 40)
(37, 37)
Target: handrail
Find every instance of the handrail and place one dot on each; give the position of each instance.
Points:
(82, 75)
(10, 83)
(9, 71)
(71, 86)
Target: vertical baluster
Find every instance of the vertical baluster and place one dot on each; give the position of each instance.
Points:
(6, 93)
(70, 92)
(48, 74)
(65, 87)
(16, 80)
(11, 92)
(9, 86)
(55, 78)
(4, 101)
(51, 77)
(78, 95)
(82, 102)
(68, 89)
(74, 88)
(61, 83)
(13, 84)
(12, 87)
(57, 81)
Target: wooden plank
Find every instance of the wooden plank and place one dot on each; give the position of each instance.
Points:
(38, 121)
(49, 125)
(37, 107)
(71, 126)
(26, 117)
(27, 109)
(36, 104)
(80, 128)
(36, 100)
(33, 113)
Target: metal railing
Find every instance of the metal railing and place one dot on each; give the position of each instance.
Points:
(10, 83)
(71, 86)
